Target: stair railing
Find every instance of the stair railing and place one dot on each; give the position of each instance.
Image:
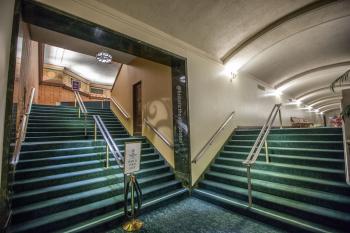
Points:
(81, 109)
(110, 144)
(160, 135)
(120, 108)
(346, 153)
(211, 140)
(259, 143)
(21, 134)
(130, 181)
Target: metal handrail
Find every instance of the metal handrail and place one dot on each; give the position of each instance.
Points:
(120, 108)
(205, 147)
(21, 134)
(110, 144)
(259, 142)
(346, 155)
(81, 109)
(165, 140)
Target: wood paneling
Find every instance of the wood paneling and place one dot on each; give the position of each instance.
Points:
(53, 95)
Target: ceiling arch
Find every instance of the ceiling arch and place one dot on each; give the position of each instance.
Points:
(326, 103)
(335, 105)
(324, 99)
(330, 109)
(284, 84)
(313, 94)
(299, 49)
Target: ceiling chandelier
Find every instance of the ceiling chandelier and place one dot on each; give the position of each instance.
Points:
(104, 57)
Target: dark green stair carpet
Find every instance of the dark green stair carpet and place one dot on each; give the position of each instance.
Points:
(61, 184)
(195, 216)
(302, 188)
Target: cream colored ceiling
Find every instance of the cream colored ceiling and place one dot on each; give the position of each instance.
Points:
(79, 55)
(214, 26)
(295, 46)
(84, 65)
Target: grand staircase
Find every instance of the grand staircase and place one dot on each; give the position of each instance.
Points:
(303, 187)
(61, 184)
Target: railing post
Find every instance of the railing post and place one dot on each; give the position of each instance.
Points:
(267, 152)
(250, 199)
(79, 112)
(107, 156)
(280, 116)
(75, 102)
(85, 131)
(95, 132)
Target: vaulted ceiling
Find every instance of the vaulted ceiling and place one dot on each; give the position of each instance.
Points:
(295, 46)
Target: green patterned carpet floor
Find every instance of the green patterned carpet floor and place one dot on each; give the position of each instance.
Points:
(192, 215)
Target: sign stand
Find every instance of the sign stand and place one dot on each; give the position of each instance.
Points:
(131, 165)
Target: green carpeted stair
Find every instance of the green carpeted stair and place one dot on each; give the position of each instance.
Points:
(61, 184)
(303, 187)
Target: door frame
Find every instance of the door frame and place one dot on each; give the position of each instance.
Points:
(41, 15)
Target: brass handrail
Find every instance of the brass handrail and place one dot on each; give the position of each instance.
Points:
(81, 109)
(205, 147)
(21, 134)
(120, 108)
(110, 144)
(160, 135)
(259, 142)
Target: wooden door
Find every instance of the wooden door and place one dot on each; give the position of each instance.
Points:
(137, 108)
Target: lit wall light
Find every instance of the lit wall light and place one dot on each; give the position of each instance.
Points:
(233, 75)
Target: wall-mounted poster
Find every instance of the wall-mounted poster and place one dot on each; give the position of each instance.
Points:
(75, 85)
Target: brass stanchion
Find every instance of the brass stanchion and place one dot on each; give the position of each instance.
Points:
(132, 224)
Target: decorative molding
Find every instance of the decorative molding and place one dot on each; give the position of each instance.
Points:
(345, 86)
(294, 14)
(328, 105)
(331, 109)
(324, 99)
(314, 70)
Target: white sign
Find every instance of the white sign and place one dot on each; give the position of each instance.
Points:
(132, 157)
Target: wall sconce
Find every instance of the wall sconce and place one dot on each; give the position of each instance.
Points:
(233, 75)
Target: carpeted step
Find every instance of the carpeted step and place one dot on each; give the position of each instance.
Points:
(311, 196)
(324, 153)
(33, 196)
(283, 220)
(290, 159)
(47, 181)
(69, 159)
(66, 168)
(89, 136)
(74, 144)
(337, 145)
(112, 220)
(329, 217)
(70, 217)
(292, 137)
(72, 151)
